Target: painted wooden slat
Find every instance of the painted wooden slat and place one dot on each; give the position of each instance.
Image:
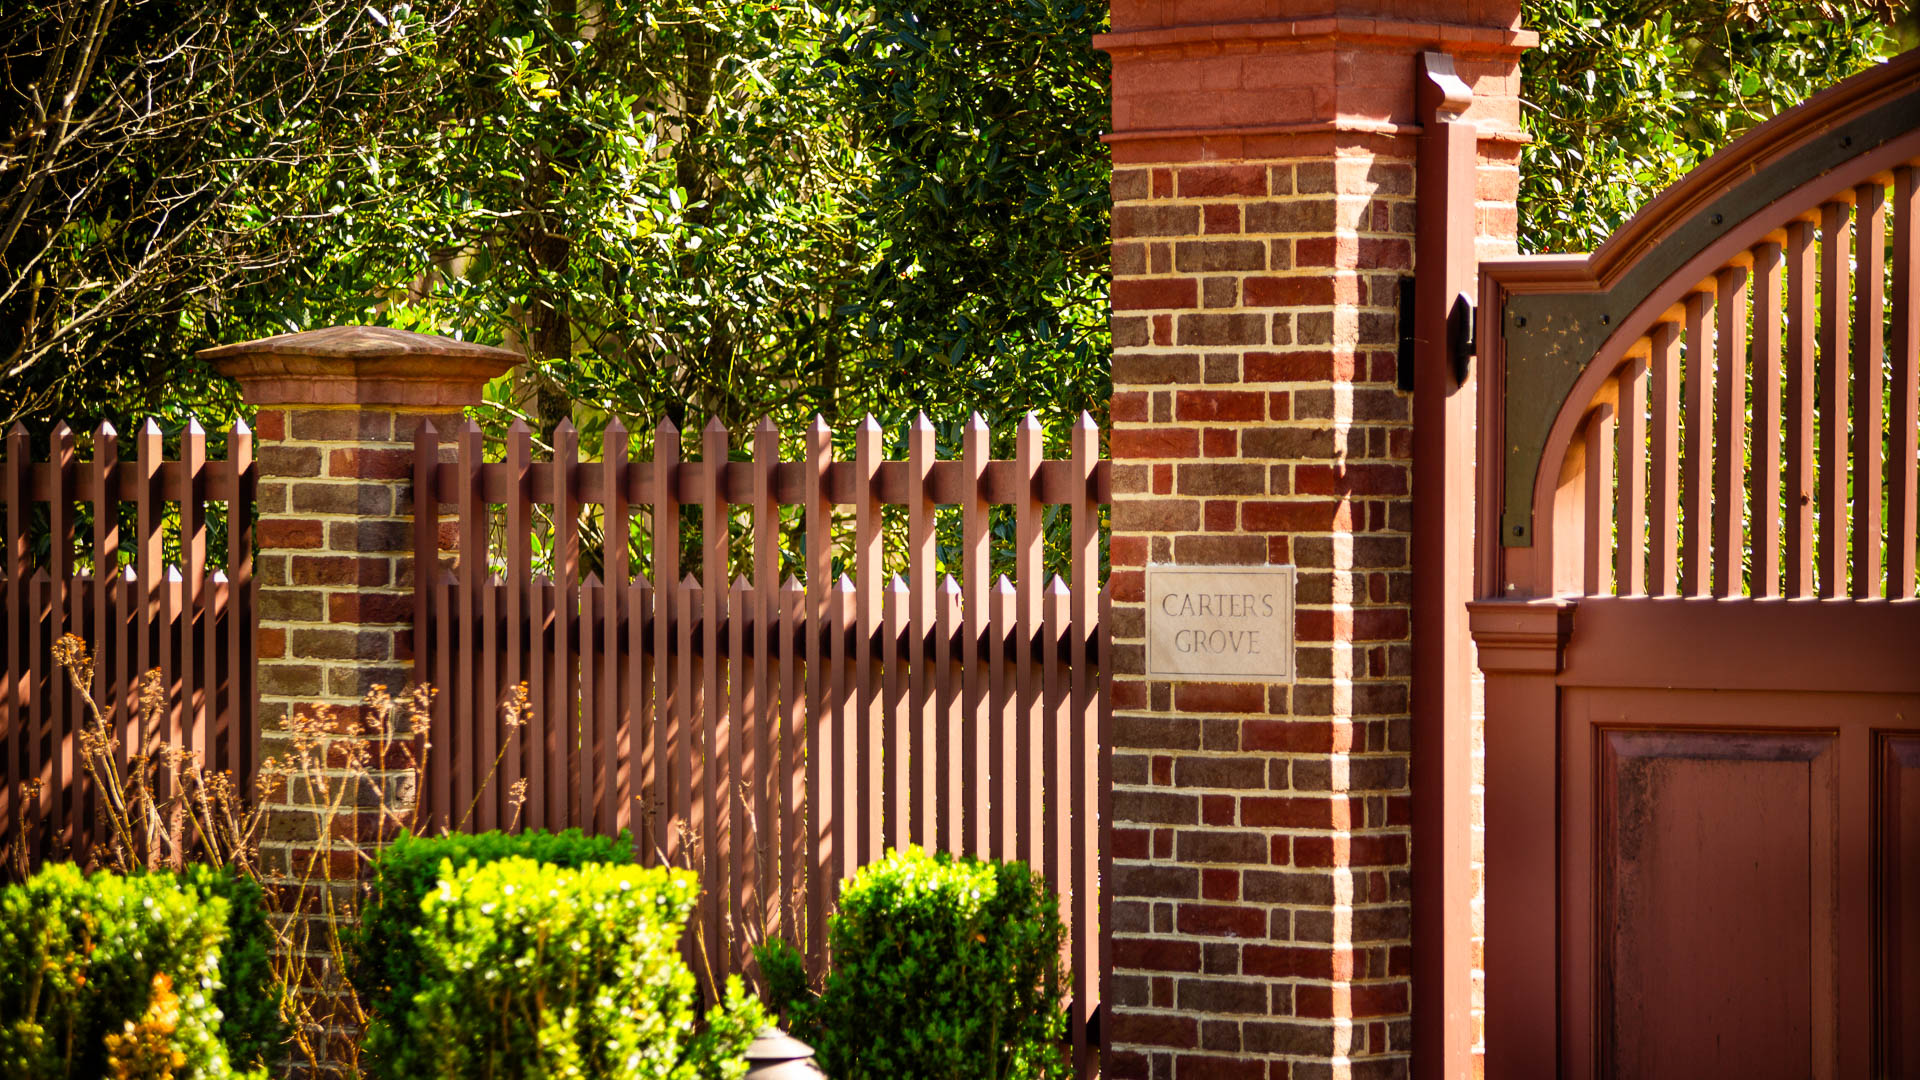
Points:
(666, 778)
(870, 834)
(57, 720)
(459, 753)
(897, 743)
(975, 766)
(742, 836)
(1764, 491)
(711, 811)
(1088, 690)
(923, 760)
(1869, 430)
(1630, 457)
(562, 729)
(18, 567)
(427, 630)
(1903, 422)
(766, 599)
(794, 833)
(1836, 255)
(1696, 463)
(1599, 496)
(949, 799)
(1664, 499)
(612, 716)
(517, 546)
(1802, 293)
(1730, 428)
(1027, 715)
(1005, 722)
(107, 648)
(820, 748)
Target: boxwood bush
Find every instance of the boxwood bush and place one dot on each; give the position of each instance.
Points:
(537, 971)
(386, 963)
(105, 975)
(942, 968)
(251, 1026)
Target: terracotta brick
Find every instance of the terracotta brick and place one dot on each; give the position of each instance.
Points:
(1151, 220)
(371, 464)
(1234, 329)
(1215, 181)
(1236, 405)
(1217, 256)
(1147, 293)
(1137, 443)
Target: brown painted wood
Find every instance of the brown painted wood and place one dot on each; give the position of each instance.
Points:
(104, 475)
(871, 834)
(458, 752)
(1903, 422)
(1028, 828)
(1696, 463)
(711, 817)
(1897, 911)
(613, 713)
(1802, 326)
(922, 810)
(1869, 430)
(1087, 746)
(1730, 429)
(517, 543)
(794, 833)
(562, 727)
(427, 630)
(1004, 743)
(1599, 498)
(1630, 457)
(669, 777)
(735, 751)
(18, 566)
(896, 726)
(1663, 534)
(949, 800)
(767, 691)
(1836, 251)
(841, 704)
(1764, 492)
(976, 765)
(820, 749)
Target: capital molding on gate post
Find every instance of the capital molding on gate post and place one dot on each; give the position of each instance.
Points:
(1265, 161)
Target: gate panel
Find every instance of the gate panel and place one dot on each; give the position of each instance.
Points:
(1695, 529)
(1717, 868)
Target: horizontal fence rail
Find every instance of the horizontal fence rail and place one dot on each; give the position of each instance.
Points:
(88, 554)
(773, 735)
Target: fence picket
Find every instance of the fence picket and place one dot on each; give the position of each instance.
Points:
(1630, 456)
(665, 787)
(1026, 526)
(950, 798)
(821, 863)
(897, 721)
(17, 563)
(1903, 476)
(978, 752)
(59, 716)
(1696, 463)
(1730, 427)
(710, 820)
(876, 795)
(105, 480)
(923, 768)
(610, 710)
(562, 727)
(518, 549)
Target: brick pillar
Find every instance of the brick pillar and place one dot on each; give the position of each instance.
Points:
(1263, 218)
(338, 412)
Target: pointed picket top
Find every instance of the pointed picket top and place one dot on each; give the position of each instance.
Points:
(150, 428)
(976, 422)
(240, 427)
(713, 427)
(105, 431)
(615, 433)
(127, 574)
(468, 427)
(62, 434)
(173, 574)
(1085, 423)
(949, 585)
(792, 584)
(868, 423)
(194, 429)
(898, 584)
(217, 577)
(1058, 586)
(690, 582)
(519, 427)
(541, 581)
(740, 583)
(564, 427)
(592, 581)
(426, 432)
(765, 427)
(921, 421)
(1003, 586)
(845, 584)
(665, 428)
(819, 426)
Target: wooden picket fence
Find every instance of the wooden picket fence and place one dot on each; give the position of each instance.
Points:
(138, 607)
(772, 735)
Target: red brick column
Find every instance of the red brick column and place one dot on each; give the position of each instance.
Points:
(1263, 218)
(338, 412)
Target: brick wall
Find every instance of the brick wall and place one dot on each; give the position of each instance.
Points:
(1261, 888)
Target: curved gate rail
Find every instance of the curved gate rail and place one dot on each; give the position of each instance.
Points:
(1696, 564)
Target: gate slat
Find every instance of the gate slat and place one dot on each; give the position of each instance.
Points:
(562, 730)
(793, 793)
(710, 815)
(840, 710)
(460, 754)
(517, 546)
(18, 569)
(107, 652)
(1085, 784)
(743, 838)
(1730, 429)
(1598, 541)
(1903, 485)
(766, 598)
(1869, 316)
(1697, 460)
(1630, 457)
(1835, 261)
(896, 721)
(951, 722)
(57, 720)
(1665, 529)
(1802, 273)
(1003, 722)
(1764, 490)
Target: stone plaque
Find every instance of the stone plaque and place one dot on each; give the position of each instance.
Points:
(1229, 624)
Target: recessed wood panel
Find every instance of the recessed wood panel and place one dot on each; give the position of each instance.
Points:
(1898, 904)
(1716, 882)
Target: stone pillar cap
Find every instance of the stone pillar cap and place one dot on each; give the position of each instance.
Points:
(361, 365)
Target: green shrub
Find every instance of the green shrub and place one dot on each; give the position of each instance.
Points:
(386, 964)
(108, 975)
(536, 971)
(251, 1026)
(942, 968)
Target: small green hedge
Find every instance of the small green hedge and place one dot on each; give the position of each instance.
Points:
(387, 966)
(535, 971)
(942, 968)
(108, 975)
(250, 1023)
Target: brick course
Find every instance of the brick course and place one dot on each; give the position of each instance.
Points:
(1261, 881)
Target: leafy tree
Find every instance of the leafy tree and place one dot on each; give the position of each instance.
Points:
(1624, 97)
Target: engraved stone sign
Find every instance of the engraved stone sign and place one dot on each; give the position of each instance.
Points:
(1230, 624)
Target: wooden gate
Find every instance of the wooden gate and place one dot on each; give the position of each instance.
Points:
(1696, 572)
